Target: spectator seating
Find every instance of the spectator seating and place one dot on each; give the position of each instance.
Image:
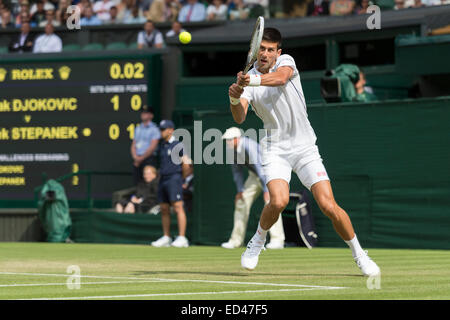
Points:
(116, 46)
(93, 46)
(71, 47)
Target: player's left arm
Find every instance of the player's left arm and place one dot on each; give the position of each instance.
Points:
(272, 79)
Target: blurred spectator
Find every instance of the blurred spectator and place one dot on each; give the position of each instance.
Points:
(217, 10)
(433, 2)
(363, 93)
(237, 10)
(83, 4)
(24, 42)
(136, 16)
(177, 28)
(61, 12)
(258, 8)
(64, 16)
(146, 195)
(361, 7)
(192, 11)
(150, 37)
(399, 4)
(101, 9)
(418, 4)
(6, 19)
(89, 18)
(121, 5)
(125, 9)
(48, 42)
(23, 17)
(24, 14)
(65, 3)
(145, 142)
(293, 9)
(113, 16)
(18, 6)
(39, 14)
(50, 18)
(47, 5)
(145, 5)
(319, 8)
(342, 7)
(164, 10)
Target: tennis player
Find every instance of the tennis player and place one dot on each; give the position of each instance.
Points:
(274, 90)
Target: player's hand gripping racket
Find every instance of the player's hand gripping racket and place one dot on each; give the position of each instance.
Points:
(255, 43)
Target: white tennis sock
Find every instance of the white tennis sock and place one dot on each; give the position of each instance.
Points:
(261, 234)
(355, 246)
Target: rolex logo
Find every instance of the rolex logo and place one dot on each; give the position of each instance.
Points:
(3, 73)
(64, 72)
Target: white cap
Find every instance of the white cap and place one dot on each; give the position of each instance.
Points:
(232, 133)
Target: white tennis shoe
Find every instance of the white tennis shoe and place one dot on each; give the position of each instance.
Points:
(164, 241)
(367, 266)
(249, 259)
(180, 242)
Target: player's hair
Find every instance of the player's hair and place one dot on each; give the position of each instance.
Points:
(272, 35)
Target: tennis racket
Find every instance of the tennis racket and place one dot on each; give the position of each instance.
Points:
(255, 43)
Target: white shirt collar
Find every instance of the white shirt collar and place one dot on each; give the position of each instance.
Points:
(172, 139)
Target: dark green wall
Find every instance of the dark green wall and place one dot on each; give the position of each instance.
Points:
(423, 55)
(111, 227)
(386, 82)
(389, 167)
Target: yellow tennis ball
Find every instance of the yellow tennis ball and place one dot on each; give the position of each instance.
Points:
(185, 37)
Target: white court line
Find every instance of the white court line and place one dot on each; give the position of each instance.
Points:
(252, 283)
(176, 280)
(177, 294)
(65, 283)
(69, 275)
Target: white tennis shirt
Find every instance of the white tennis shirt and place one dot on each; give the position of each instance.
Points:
(282, 110)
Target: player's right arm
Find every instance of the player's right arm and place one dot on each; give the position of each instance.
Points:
(238, 110)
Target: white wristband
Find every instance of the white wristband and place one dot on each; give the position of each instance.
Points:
(234, 101)
(255, 80)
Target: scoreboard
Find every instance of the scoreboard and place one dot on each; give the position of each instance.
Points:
(64, 116)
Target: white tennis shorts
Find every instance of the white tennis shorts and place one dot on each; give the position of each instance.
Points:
(278, 163)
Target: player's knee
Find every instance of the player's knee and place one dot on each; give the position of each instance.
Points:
(329, 208)
(279, 203)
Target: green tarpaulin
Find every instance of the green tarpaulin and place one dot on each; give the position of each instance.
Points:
(53, 211)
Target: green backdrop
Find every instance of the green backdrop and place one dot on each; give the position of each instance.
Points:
(388, 163)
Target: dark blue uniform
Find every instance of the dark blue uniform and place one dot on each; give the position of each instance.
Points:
(171, 181)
